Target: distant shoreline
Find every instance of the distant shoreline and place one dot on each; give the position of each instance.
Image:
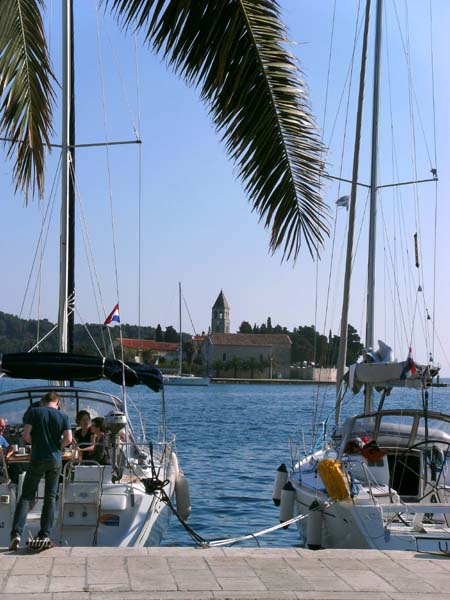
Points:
(221, 380)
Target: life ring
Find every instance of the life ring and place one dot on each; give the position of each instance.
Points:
(333, 478)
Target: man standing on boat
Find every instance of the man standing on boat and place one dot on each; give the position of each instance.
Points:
(47, 429)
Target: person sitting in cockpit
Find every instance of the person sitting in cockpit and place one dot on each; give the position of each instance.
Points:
(83, 436)
(100, 453)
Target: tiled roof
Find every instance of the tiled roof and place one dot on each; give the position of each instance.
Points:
(221, 301)
(199, 338)
(250, 339)
(136, 344)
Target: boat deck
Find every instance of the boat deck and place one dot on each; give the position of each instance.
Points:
(233, 573)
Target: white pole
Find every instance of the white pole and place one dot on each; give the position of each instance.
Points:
(342, 354)
(65, 174)
(368, 402)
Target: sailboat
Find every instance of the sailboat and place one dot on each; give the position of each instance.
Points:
(380, 479)
(183, 378)
(126, 502)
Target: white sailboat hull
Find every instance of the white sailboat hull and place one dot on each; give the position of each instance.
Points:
(125, 503)
(117, 515)
(398, 500)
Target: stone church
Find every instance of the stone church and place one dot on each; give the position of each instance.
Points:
(268, 353)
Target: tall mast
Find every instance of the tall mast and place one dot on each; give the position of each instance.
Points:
(180, 357)
(342, 354)
(368, 401)
(67, 234)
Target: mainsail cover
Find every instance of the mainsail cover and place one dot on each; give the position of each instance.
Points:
(389, 375)
(78, 367)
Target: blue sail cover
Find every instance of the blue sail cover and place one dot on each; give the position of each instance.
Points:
(59, 366)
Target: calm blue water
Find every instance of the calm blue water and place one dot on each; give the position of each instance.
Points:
(230, 440)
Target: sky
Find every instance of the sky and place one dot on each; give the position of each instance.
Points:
(197, 225)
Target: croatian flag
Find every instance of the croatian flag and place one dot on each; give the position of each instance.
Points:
(113, 317)
(410, 368)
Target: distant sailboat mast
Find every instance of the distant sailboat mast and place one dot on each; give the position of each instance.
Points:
(180, 350)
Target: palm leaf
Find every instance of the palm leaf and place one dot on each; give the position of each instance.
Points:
(26, 94)
(234, 51)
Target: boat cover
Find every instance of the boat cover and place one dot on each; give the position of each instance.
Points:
(59, 366)
(389, 375)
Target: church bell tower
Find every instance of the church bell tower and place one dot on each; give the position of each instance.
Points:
(220, 320)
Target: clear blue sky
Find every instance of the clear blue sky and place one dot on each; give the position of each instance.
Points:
(197, 225)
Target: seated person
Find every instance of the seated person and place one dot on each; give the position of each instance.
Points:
(100, 453)
(5, 449)
(83, 436)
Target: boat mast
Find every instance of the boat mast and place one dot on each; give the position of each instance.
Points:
(368, 400)
(180, 357)
(342, 354)
(67, 235)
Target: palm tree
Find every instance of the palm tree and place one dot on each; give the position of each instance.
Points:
(218, 367)
(233, 51)
(234, 364)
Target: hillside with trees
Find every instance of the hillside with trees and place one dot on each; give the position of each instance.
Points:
(308, 345)
(20, 335)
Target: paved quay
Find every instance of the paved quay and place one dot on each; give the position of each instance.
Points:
(173, 573)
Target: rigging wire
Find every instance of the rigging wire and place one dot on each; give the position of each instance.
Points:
(435, 185)
(93, 274)
(317, 412)
(189, 314)
(89, 333)
(138, 133)
(108, 168)
(47, 218)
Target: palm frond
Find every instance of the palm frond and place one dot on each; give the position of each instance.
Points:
(26, 94)
(234, 50)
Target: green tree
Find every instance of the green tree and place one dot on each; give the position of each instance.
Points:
(245, 327)
(171, 335)
(234, 364)
(189, 351)
(235, 52)
(159, 333)
(354, 345)
(218, 367)
(252, 365)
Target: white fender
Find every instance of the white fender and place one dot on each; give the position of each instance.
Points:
(182, 498)
(176, 466)
(287, 503)
(281, 477)
(314, 526)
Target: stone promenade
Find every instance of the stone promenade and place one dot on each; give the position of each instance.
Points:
(232, 573)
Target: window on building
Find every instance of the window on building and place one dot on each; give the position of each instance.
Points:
(220, 315)
(261, 358)
(224, 356)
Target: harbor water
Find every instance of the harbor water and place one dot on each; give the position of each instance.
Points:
(231, 438)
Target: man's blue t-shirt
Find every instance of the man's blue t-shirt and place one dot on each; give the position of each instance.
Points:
(3, 442)
(47, 426)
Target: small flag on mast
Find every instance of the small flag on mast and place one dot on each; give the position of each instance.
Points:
(409, 368)
(113, 317)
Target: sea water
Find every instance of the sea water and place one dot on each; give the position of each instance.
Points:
(231, 438)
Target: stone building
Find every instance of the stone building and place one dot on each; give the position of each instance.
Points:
(265, 354)
(273, 350)
(220, 318)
